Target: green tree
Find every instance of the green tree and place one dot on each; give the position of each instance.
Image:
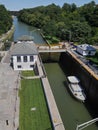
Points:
(5, 20)
(87, 11)
(53, 11)
(68, 22)
(50, 28)
(81, 31)
(73, 7)
(61, 33)
(66, 7)
(93, 20)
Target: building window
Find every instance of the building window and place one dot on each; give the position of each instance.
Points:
(18, 58)
(31, 66)
(31, 58)
(25, 58)
(19, 66)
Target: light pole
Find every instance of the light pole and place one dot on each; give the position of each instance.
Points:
(69, 36)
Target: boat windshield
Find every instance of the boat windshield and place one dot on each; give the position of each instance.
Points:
(78, 91)
(76, 88)
(73, 79)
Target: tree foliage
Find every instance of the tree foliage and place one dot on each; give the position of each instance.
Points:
(68, 22)
(5, 20)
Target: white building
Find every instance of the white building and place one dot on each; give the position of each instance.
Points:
(24, 55)
(86, 50)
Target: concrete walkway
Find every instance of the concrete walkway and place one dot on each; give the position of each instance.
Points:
(9, 101)
(31, 77)
(51, 50)
(54, 113)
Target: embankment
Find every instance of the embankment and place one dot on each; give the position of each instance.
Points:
(7, 35)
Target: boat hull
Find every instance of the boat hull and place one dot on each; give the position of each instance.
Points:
(75, 89)
(75, 95)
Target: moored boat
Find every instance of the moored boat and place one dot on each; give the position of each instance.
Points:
(75, 88)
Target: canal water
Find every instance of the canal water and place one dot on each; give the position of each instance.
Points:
(24, 29)
(72, 111)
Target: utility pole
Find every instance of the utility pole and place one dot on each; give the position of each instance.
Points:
(69, 36)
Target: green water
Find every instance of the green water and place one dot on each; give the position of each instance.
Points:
(72, 111)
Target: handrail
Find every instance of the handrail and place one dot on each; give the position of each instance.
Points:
(84, 125)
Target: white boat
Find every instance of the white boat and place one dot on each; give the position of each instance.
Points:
(75, 88)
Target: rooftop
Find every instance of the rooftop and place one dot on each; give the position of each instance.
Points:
(24, 48)
(25, 38)
(73, 79)
(86, 47)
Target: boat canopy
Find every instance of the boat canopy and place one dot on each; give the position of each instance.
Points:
(76, 88)
(73, 79)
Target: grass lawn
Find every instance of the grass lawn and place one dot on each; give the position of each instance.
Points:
(27, 73)
(94, 59)
(32, 97)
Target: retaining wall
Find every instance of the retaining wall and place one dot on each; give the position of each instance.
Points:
(88, 81)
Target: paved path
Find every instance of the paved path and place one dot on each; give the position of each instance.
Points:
(9, 101)
(7, 56)
(31, 77)
(54, 113)
(51, 50)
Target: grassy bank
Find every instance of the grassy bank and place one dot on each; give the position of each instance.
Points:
(93, 59)
(7, 35)
(33, 110)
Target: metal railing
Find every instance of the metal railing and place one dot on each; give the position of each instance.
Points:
(84, 125)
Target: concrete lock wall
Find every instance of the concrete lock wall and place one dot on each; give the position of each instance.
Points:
(88, 82)
(50, 57)
(72, 67)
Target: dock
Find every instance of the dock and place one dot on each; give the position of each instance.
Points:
(50, 49)
(53, 110)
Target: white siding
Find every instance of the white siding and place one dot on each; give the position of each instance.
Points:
(83, 50)
(79, 50)
(24, 65)
(85, 53)
(92, 53)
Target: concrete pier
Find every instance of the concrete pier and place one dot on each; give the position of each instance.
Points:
(9, 100)
(54, 113)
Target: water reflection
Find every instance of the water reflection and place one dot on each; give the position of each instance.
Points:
(24, 29)
(72, 111)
